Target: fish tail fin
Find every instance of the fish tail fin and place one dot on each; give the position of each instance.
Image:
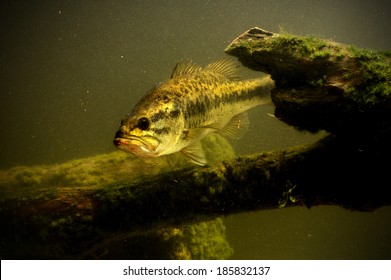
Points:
(266, 85)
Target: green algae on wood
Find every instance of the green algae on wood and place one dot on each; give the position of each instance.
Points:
(90, 221)
(373, 85)
(198, 241)
(49, 211)
(321, 84)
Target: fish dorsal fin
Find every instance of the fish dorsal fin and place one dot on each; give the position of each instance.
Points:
(220, 69)
(227, 68)
(185, 67)
(236, 127)
(195, 153)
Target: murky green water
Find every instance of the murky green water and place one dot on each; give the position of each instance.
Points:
(71, 70)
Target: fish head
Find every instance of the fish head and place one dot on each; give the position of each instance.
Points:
(152, 129)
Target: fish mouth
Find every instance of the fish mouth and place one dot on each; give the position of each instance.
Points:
(135, 145)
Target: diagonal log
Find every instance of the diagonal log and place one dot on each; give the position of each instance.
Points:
(66, 221)
(322, 84)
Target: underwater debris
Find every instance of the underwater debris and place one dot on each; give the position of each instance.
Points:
(49, 211)
(198, 241)
(321, 84)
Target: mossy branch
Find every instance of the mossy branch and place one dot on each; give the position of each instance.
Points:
(60, 221)
(321, 84)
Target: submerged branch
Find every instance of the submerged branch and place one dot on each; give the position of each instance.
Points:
(322, 84)
(71, 220)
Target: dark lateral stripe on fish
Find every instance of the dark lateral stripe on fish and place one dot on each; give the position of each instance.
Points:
(195, 108)
(201, 107)
(163, 114)
(164, 130)
(175, 113)
(158, 116)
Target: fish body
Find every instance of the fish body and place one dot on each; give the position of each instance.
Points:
(195, 101)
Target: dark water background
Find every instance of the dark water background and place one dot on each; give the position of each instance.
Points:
(70, 70)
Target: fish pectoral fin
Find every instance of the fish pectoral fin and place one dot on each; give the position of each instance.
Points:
(195, 153)
(196, 134)
(236, 127)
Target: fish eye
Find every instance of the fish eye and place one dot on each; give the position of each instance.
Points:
(143, 123)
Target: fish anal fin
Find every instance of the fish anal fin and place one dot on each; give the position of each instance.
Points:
(195, 153)
(236, 127)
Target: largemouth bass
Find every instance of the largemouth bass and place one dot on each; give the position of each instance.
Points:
(195, 101)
